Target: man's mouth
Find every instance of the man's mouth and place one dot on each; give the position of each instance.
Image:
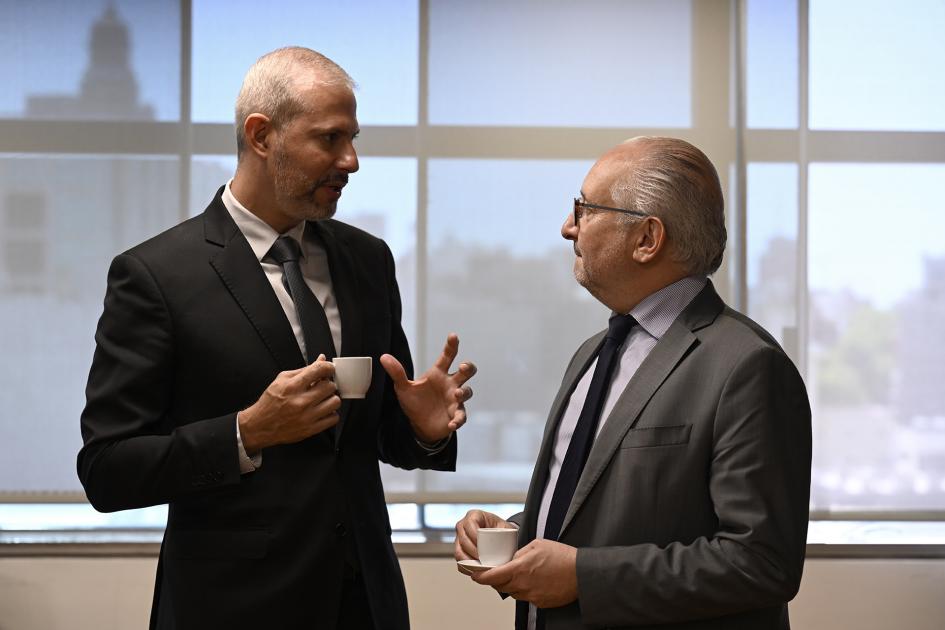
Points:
(334, 185)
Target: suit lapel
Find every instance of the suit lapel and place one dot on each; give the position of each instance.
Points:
(670, 351)
(579, 364)
(344, 284)
(244, 278)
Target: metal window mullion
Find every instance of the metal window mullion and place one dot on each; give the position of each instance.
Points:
(740, 237)
(801, 281)
(185, 152)
(420, 149)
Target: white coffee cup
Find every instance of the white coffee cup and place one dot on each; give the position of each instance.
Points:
(352, 376)
(496, 545)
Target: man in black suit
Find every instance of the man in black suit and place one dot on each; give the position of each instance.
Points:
(210, 390)
(672, 483)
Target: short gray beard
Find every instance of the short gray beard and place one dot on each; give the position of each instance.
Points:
(302, 207)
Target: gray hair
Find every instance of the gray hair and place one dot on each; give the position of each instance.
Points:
(674, 181)
(271, 86)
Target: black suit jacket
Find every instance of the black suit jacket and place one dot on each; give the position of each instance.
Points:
(192, 333)
(691, 512)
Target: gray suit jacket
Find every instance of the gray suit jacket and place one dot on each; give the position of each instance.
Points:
(692, 509)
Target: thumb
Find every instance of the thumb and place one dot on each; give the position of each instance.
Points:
(394, 369)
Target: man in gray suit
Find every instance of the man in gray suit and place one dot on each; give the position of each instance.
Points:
(672, 484)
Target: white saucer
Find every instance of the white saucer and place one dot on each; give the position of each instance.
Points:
(472, 566)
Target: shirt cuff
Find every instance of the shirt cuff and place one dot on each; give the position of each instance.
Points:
(435, 447)
(247, 464)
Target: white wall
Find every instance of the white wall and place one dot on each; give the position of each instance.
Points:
(115, 594)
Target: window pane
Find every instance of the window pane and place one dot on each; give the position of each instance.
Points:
(90, 60)
(877, 300)
(877, 65)
(500, 276)
(585, 64)
(772, 250)
(771, 64)
(375, 41)
(52, 281)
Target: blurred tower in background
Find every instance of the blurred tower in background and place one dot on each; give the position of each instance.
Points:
(109, 90)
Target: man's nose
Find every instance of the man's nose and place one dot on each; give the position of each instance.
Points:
(348, 160)
(569, 229)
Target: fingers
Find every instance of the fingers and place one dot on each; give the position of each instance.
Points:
(394, 369)
(320, 391)
(305, 377)
(465, 372)
(325, 423)
(499, 577)
(449, 353)
(458, 419)
(467, 534)
(462, 394)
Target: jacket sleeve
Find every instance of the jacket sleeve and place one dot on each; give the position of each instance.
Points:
(759, 483)
(396, 443)
(134, 455)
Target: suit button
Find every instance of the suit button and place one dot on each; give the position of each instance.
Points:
(340, 529)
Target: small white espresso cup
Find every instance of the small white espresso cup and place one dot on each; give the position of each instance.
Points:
(496, 545)
(352, 376)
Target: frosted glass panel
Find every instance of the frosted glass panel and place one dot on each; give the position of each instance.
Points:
(501, 276)
(877, 300)
(583, 64)
(771, 61)
(877, 65)
(375, 41)
(96, 59)
(772, 250)
(63, 220)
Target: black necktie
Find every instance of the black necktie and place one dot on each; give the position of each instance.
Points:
(581, 441)
(315, 329)
(586, 428)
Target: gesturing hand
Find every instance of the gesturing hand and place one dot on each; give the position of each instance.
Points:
(434, 403)
(296, 405)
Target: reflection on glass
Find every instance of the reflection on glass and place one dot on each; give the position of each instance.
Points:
(582, 64)
(772, 250)
(771, 64)
(110, 61)
(500, 275)
(63, 219)
(375, 41)
(877, 65)
(380, 198)
(877, 300)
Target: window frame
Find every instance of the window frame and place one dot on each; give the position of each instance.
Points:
(718, 50)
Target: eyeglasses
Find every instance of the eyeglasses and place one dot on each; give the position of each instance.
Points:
(581, 206)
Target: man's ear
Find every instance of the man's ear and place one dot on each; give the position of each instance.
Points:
(649, 239)
(258, 131)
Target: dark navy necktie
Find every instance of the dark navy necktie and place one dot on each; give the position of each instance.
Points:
(586, 429)
(582, 439)
(315, 328)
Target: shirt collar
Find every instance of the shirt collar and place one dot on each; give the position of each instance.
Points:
(258, 233)
(657, 312)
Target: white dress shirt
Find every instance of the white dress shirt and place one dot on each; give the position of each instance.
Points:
(655, 314)
(314, 265)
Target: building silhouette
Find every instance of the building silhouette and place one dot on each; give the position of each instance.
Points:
(109, 89)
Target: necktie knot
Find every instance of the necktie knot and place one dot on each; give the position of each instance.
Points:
(284, 250)
(619, 327)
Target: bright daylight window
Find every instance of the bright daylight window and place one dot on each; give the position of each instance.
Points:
(479, 121)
